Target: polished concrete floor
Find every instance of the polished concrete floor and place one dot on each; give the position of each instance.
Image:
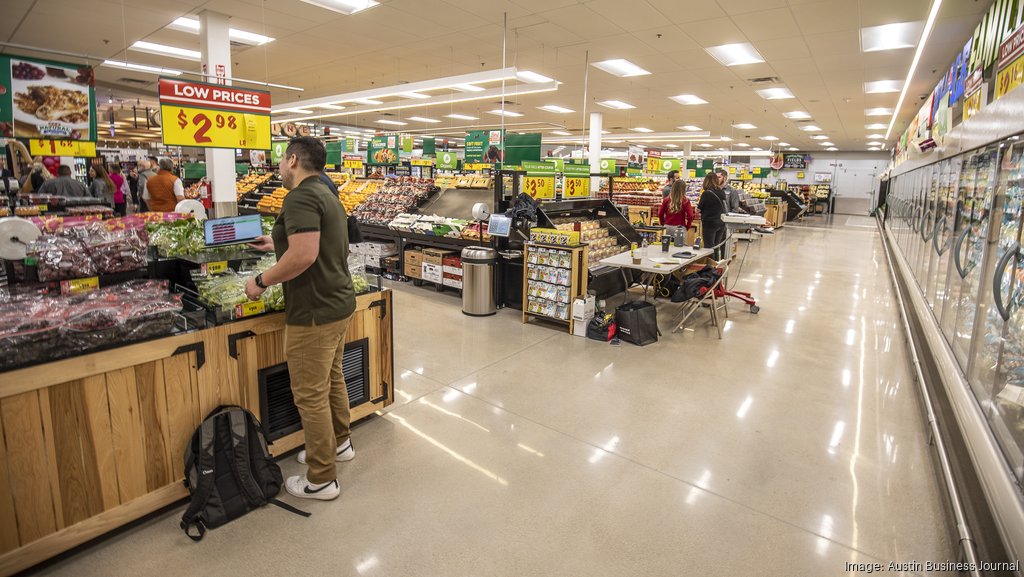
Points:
(791, 447)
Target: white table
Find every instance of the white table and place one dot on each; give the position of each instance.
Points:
(650, 267)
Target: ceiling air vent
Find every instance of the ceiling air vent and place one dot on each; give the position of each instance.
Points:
(135, 81)
(505, 102)
(765, 80)
(387, 113)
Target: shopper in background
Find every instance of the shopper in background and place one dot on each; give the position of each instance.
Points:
(673, 177)
(147, 170)
(102, 185)
(732, 196)
(64, 184)
(120, 188)
(311, 242)
(676, 209)
(163, 190)
(712, 205)
(35, 179)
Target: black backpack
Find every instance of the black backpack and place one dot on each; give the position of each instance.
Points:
(228, 471)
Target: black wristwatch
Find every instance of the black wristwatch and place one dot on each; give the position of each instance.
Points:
(259, 281)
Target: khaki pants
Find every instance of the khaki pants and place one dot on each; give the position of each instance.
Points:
(318, 385)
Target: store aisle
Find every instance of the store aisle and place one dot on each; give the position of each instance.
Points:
(791, 447)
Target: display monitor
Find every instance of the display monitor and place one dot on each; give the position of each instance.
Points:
(499, 225)
(232, 230)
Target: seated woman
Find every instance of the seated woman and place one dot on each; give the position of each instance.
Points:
(676, 210)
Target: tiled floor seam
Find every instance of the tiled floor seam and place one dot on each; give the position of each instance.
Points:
(501, 360)
(673, 477)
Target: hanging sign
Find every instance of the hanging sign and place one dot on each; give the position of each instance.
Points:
(213, 115)
(976, 91)
(382, 150)
(1011, 64)
(447, 161)
(576, 170)
(542, 168)
(539, 187)
(576, 187)
(607, 165)
(354, 163)
(45, 99)
(80, 148)
(277, 152)
(559, 163)
(422, 162)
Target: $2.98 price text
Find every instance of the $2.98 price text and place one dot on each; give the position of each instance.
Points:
(184, 126)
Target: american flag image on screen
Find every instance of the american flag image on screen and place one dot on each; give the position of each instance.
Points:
(232, 230)
(223, 232)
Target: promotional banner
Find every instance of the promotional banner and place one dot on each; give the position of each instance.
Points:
(636, 157)
(447, 161)
(539, 168)
(407, 143)
(45, 99)
(213, 115)
(1010, 64)
(484, 146)
(80, 148)
(661, 165)
(576, 169)
(334, 151)
(429, 146)
(277, 152)
(382, 150)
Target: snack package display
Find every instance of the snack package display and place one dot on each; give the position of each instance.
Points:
(117, 251)
(59, 258)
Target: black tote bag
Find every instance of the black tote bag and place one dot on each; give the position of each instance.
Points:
(638, 323)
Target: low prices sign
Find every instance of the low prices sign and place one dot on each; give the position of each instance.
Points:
(1011, 64)
(213, 115)
(539, 187)
(576, 187)
(975, 99)
(81, 148)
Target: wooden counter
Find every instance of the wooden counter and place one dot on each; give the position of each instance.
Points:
(91, 443)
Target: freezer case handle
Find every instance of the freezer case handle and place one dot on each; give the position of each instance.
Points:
(956, 252)
(935, 236)
(997, 280)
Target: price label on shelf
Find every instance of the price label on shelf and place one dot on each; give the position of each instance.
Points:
(576, 187)
(215, 267)
(42, 207)
(79, 285)
(542, 187)
(249, 309)
(185, 126)
(352, 163)
(40, 147)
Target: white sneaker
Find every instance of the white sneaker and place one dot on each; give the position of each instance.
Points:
(345, 452)
(300, 487)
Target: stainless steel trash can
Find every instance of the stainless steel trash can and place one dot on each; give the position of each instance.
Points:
(478, 263)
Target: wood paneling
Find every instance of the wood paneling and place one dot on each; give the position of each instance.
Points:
(27, 466)
(80, 499)
(182, 410)
(46, 419)
(149, 378)
(128, 434)
(98, 441)
(8, 522)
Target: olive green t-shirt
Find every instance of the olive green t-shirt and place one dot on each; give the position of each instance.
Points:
(323, 293)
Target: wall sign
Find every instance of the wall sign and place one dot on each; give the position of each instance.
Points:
(38, 147)
(45, 99)
(213, 115)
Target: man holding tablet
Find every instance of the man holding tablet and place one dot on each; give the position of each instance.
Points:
(311, 241)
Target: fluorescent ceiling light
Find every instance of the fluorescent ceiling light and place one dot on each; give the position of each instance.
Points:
(875, 136)
(770, 138)
(616, 104)
(164, 50)
(891, 36)
(783, 144)
(141, 68)
(605, 132)
(704, 145)
(832, 149)
(641, 129)
(366, 101)
(757, 148)
(742, 145)
(735, 54)
(744, 126)
(819, 137)
(873, 143)
(421, 119)
(690, 128)
(561, 133)
(620, 67)
(500, 112)
(688, 99)
(874, 148)
(777, 93)
(330, 107)
(532, 77)
(725, 139)
(297, 110)
(186, 24)
(810, 128)
(797, 115)
(792, 149)
(346, 7)
(555, 108)
(671, 146)
(881, 86)
(414, 95)
(875, 126)
(878, 112)
(462, 117)
(392, 122)
(357, 133)
(468, 88)
(917, 58)
(827, 143)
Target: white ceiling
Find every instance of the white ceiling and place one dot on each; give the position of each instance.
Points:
(813, 46)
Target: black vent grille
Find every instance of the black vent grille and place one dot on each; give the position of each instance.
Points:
(277, 406)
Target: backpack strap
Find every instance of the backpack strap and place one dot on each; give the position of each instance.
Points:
(240, 459)
(205, 477)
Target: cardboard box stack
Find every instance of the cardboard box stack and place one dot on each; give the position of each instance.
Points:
(452, 270)
(414, 264)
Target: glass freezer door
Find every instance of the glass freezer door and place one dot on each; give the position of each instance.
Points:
(969, 250)
(926, 256)
(946, 229)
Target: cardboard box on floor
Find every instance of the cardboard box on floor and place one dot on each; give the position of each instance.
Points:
(414, 264)
(435, 256)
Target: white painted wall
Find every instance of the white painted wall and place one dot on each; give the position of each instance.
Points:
(854, 174)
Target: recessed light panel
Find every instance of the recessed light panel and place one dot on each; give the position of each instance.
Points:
(561, 133)
(555, 108)
(874, 136)
(878, 112)
(777, 93)
(421, 119)
(616, 104)
(770, 138)
(392, 122)
(688, 99)
(810, 128)
(690, 128)
(164, 50)
(620, 67)
(827, 143)
(873, 143)
(875, 126)
(500, 112)
(894, 36)
(641, 129)
(462, 117)
(742, 145)
(882, 86)
(783, 144)
(735, 54)
(819, 137)
(832, 149)
(744, 126)
(792, 149)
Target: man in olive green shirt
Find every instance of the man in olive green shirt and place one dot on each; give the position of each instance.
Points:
(310, 238)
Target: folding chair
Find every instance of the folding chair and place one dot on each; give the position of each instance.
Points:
(710, 298)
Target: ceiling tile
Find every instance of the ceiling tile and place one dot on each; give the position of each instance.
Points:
(831, 16)
(666, 39)
(768, 24)
(714, 32)
(689, 11)
(877, 12)
(638, 16)
(582, 21)
(734, 7)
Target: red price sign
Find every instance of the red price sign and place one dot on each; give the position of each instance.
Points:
(576, 187)
(214, 128)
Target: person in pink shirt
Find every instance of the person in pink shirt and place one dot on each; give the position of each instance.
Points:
(120, 185)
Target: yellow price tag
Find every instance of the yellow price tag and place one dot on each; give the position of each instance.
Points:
(799, 175)
(653, 164)
(972, 105)
(576, 187)
(215, 267)
(693, 173)
(476, 166)
(183, 126)
(422, 162)
(542, 187)
(353, 164)
(42, 207)
(79, 285)
(1009, 78)
(40, 147)
(249, 309)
